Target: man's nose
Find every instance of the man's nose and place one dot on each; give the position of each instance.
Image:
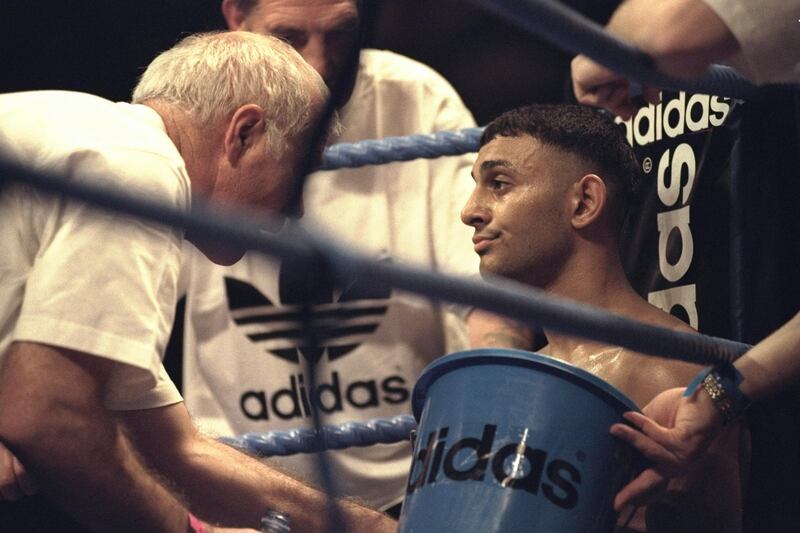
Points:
(474, 213)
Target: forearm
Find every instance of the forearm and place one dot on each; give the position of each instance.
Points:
(773, 364)
(58, 429)
(107, 489)
(225, 486)
(682, 36)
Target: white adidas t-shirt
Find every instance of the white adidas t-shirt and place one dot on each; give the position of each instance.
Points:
(243, 352)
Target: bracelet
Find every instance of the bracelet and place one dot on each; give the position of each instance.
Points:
(721, 382)
(196, 525)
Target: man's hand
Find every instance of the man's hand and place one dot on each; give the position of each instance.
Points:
(674, 435)
(15, 482)
(596, 85)
(682, 37)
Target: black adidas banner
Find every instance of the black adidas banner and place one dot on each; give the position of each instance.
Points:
(714, 238)
(676, 249)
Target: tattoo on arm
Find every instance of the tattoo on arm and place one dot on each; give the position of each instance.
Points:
(508, 334)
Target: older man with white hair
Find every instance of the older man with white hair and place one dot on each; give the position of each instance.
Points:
(87, 296)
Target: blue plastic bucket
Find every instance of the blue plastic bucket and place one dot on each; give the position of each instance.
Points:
(514, 441)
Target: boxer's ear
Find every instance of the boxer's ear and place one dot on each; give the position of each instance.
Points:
(589, 201)
(245, 129)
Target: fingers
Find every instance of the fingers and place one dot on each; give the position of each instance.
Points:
(589, 78)
(618, 100)
(648, 426)
(652, 95)
(15, 482)
(25, 482)
(9, 490)
(655, 442)
(595, 85)
(640, 420)
(642, 489)
(648, 447)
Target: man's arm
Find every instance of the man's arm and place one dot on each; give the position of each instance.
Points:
(683, 37)
(773, 364)
(223, 485)
(708, 496)
(489, 330)
(768, 368)
(51, 417)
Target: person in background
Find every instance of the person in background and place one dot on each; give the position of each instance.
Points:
(245, 360)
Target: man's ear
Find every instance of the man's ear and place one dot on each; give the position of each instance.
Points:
(233, 14)
(589, 198)
(245, 129)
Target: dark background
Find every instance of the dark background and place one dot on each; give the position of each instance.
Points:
(101, 46)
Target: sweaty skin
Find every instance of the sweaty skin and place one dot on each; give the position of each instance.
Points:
(638, 376)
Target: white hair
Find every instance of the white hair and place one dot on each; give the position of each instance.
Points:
(210, 75)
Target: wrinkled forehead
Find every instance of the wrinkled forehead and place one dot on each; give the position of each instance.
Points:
(278, 15)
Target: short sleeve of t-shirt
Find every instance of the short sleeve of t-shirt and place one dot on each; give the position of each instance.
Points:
(768, 33)
(105, 284)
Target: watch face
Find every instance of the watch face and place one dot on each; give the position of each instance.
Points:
(275, 522)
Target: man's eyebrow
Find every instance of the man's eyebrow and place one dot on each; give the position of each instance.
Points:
(347, 24)
(283, 28)
(491, 163)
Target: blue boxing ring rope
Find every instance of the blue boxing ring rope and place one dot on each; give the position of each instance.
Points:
(392, 149)
(501, 296)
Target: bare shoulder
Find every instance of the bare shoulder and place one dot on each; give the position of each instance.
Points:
(653, 315)
(654, 374)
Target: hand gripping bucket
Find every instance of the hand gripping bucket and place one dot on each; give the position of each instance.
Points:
(514, 441)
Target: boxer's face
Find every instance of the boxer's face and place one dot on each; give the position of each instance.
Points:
(324, 32)
(519, 210)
